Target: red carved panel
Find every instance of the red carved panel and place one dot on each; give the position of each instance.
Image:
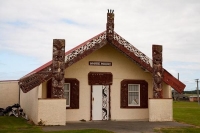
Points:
(110, 25)
(131, 52)
(173, 82)
(58, 69)
(143, 93)
(31, 81)
(157, 71)
(100, 78)
(85, 53)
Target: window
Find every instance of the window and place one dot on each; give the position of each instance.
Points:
(133, 95)
(67, 93)
(71, 92)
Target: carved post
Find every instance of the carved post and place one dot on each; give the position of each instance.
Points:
(157, 71)
(58, 69)
(110, 25)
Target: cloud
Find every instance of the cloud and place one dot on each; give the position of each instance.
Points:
(28, 28)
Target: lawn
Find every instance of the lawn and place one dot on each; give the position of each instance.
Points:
(185, 112)
(19, 125)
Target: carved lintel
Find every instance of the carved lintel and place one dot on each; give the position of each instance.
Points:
(157, 71)
(110, 25)
(100, 78)
(58, 68)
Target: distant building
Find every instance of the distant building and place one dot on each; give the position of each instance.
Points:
(193, 99)
(179, 96)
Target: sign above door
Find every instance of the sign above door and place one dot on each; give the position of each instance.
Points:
(100, 63)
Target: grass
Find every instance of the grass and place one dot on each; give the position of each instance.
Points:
(19, 125)
(185, 112)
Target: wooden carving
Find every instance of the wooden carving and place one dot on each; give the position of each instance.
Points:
(110, 25)
(58, 68)
(157, 71)
(100, 78)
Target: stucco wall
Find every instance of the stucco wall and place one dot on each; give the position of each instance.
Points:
(29, 103)
(52, 111)
(167, 91)
(9, 93)
(122, 68)
(160, 110)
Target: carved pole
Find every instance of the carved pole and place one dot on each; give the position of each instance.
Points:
(58, 69)
(157, 71)
(110, 25)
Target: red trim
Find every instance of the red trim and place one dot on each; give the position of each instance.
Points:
(167, 78)
(66, 53)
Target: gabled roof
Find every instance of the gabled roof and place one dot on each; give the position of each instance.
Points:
(43, 73)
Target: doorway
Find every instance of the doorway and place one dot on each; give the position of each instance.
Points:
(100, 102)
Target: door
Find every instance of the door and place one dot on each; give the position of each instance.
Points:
(100, 102)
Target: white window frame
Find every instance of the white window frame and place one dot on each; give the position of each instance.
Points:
(134, 91)
(69, 94)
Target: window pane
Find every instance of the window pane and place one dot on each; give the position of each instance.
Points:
(133, 95)
(133, 88)
(67, 93)
(67, 98)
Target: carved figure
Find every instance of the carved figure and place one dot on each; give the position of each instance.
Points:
(157, 71)
(110, 25)
(58, 68)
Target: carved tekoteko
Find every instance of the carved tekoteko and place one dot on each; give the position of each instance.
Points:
(58, 68)
(157, 71)
(110, 25)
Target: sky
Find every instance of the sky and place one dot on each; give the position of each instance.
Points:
(28, 27)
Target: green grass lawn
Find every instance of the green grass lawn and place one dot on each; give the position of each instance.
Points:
(19, 125)
(185, 112)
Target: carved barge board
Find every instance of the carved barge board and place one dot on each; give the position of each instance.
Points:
(58, 69)
(157, 71)
(130, 51)
(173, 82)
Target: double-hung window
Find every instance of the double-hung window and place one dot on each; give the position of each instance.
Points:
(67, 93)
(133, 95)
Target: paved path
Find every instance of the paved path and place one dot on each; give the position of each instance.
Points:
(117, 126)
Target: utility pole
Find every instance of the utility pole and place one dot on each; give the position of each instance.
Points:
(197, 80)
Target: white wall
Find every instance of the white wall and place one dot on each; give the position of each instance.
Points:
(29, 103)
(9, 93)
(52, 111)
(122, 68)
(160, 110)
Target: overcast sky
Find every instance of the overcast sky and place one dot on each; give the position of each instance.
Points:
(28, 27)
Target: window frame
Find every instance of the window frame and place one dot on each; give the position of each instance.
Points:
(74, 92)
(124, 93)
(134, 91)
(69, 94)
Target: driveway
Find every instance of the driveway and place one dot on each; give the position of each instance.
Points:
(117, 126)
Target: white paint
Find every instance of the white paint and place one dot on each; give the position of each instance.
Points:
(97, 102)
(160, 110)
